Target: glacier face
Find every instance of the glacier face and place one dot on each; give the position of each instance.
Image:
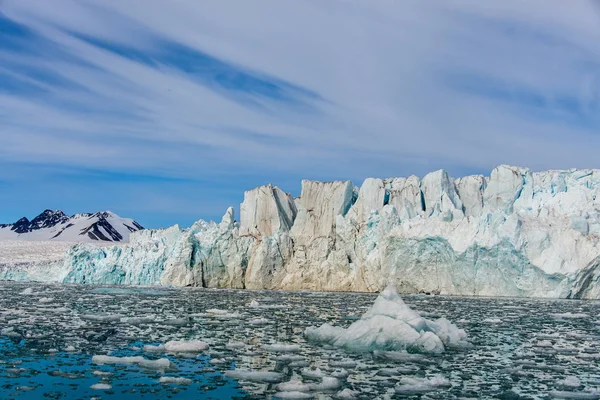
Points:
(514, 233)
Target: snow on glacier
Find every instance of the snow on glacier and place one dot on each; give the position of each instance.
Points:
(391, 325)
(514, 233)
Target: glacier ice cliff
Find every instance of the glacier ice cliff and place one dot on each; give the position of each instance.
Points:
(514, 233)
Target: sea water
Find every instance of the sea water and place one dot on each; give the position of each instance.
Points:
(49, 335)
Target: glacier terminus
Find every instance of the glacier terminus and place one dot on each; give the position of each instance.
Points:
(514, 233)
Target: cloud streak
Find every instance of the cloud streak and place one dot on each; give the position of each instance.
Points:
(274, 91)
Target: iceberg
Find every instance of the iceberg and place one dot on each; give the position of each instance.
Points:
(390, 325)
(513, 233)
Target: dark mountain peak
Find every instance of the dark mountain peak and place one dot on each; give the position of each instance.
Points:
(21, 226)
(48, 219)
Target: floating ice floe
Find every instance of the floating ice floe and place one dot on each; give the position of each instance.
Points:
(101, 317)
(557, 394)
(282, 348)
(255, 376)
(27, 291)
(258, 321)
(235, 345)
(101, 386)
(160, 364)
(346, 394)
(569, 315)
(294, 386)
(570, 381)
(190, 346)
(138, 320)
(254, 304)
(391, 325)
(410, 385)
(175, 380)
(294, 395)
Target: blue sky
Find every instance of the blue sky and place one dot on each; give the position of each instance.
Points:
(166, 113)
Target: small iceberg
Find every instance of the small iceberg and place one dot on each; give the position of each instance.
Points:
(255, 376)
(190, 346)
(160, 364)
(390, 325)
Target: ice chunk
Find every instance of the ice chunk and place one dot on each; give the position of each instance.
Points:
(46, 300)
(235, 345)
(102, 360)
(410, 386)
(101, 317)
(574, 395)
(346, 394)
(254, 304)
(160, 364)
(282, 348)
(175, 380)
(255, 376)
(327, 384)
(27, 291)
(391, 325)
(312, 373)
(217, 311)
(258, 321)
(138, 320)
(191, 346)
(101, 386)
(294, 395)
(153, 349)
(571, 381)
(102, 373)
(569, 315)
(294, 386)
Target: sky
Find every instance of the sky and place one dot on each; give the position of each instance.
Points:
(167, 111)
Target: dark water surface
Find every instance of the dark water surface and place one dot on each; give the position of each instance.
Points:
(522, 348)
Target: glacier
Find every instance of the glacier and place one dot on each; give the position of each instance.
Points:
(514, 233)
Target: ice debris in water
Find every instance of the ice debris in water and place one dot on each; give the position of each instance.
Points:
(160, 364)
(294, 386)
(556, 394)
(175, 380)
(256, 376)
(571, 315)
(101, 386)
(409, 385)
(391, 325)
(346, 394)
(294, 395)
(571, 381)
(282, 348)
(254, 304)
(191, 346)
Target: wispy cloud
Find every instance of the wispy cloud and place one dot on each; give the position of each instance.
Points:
(253, 92)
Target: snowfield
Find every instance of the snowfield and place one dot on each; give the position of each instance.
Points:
(14, 252)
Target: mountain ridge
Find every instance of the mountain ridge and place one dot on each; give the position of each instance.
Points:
(104, 226)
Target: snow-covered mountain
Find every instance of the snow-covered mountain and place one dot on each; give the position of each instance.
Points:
(57, 226)
(514, 233)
